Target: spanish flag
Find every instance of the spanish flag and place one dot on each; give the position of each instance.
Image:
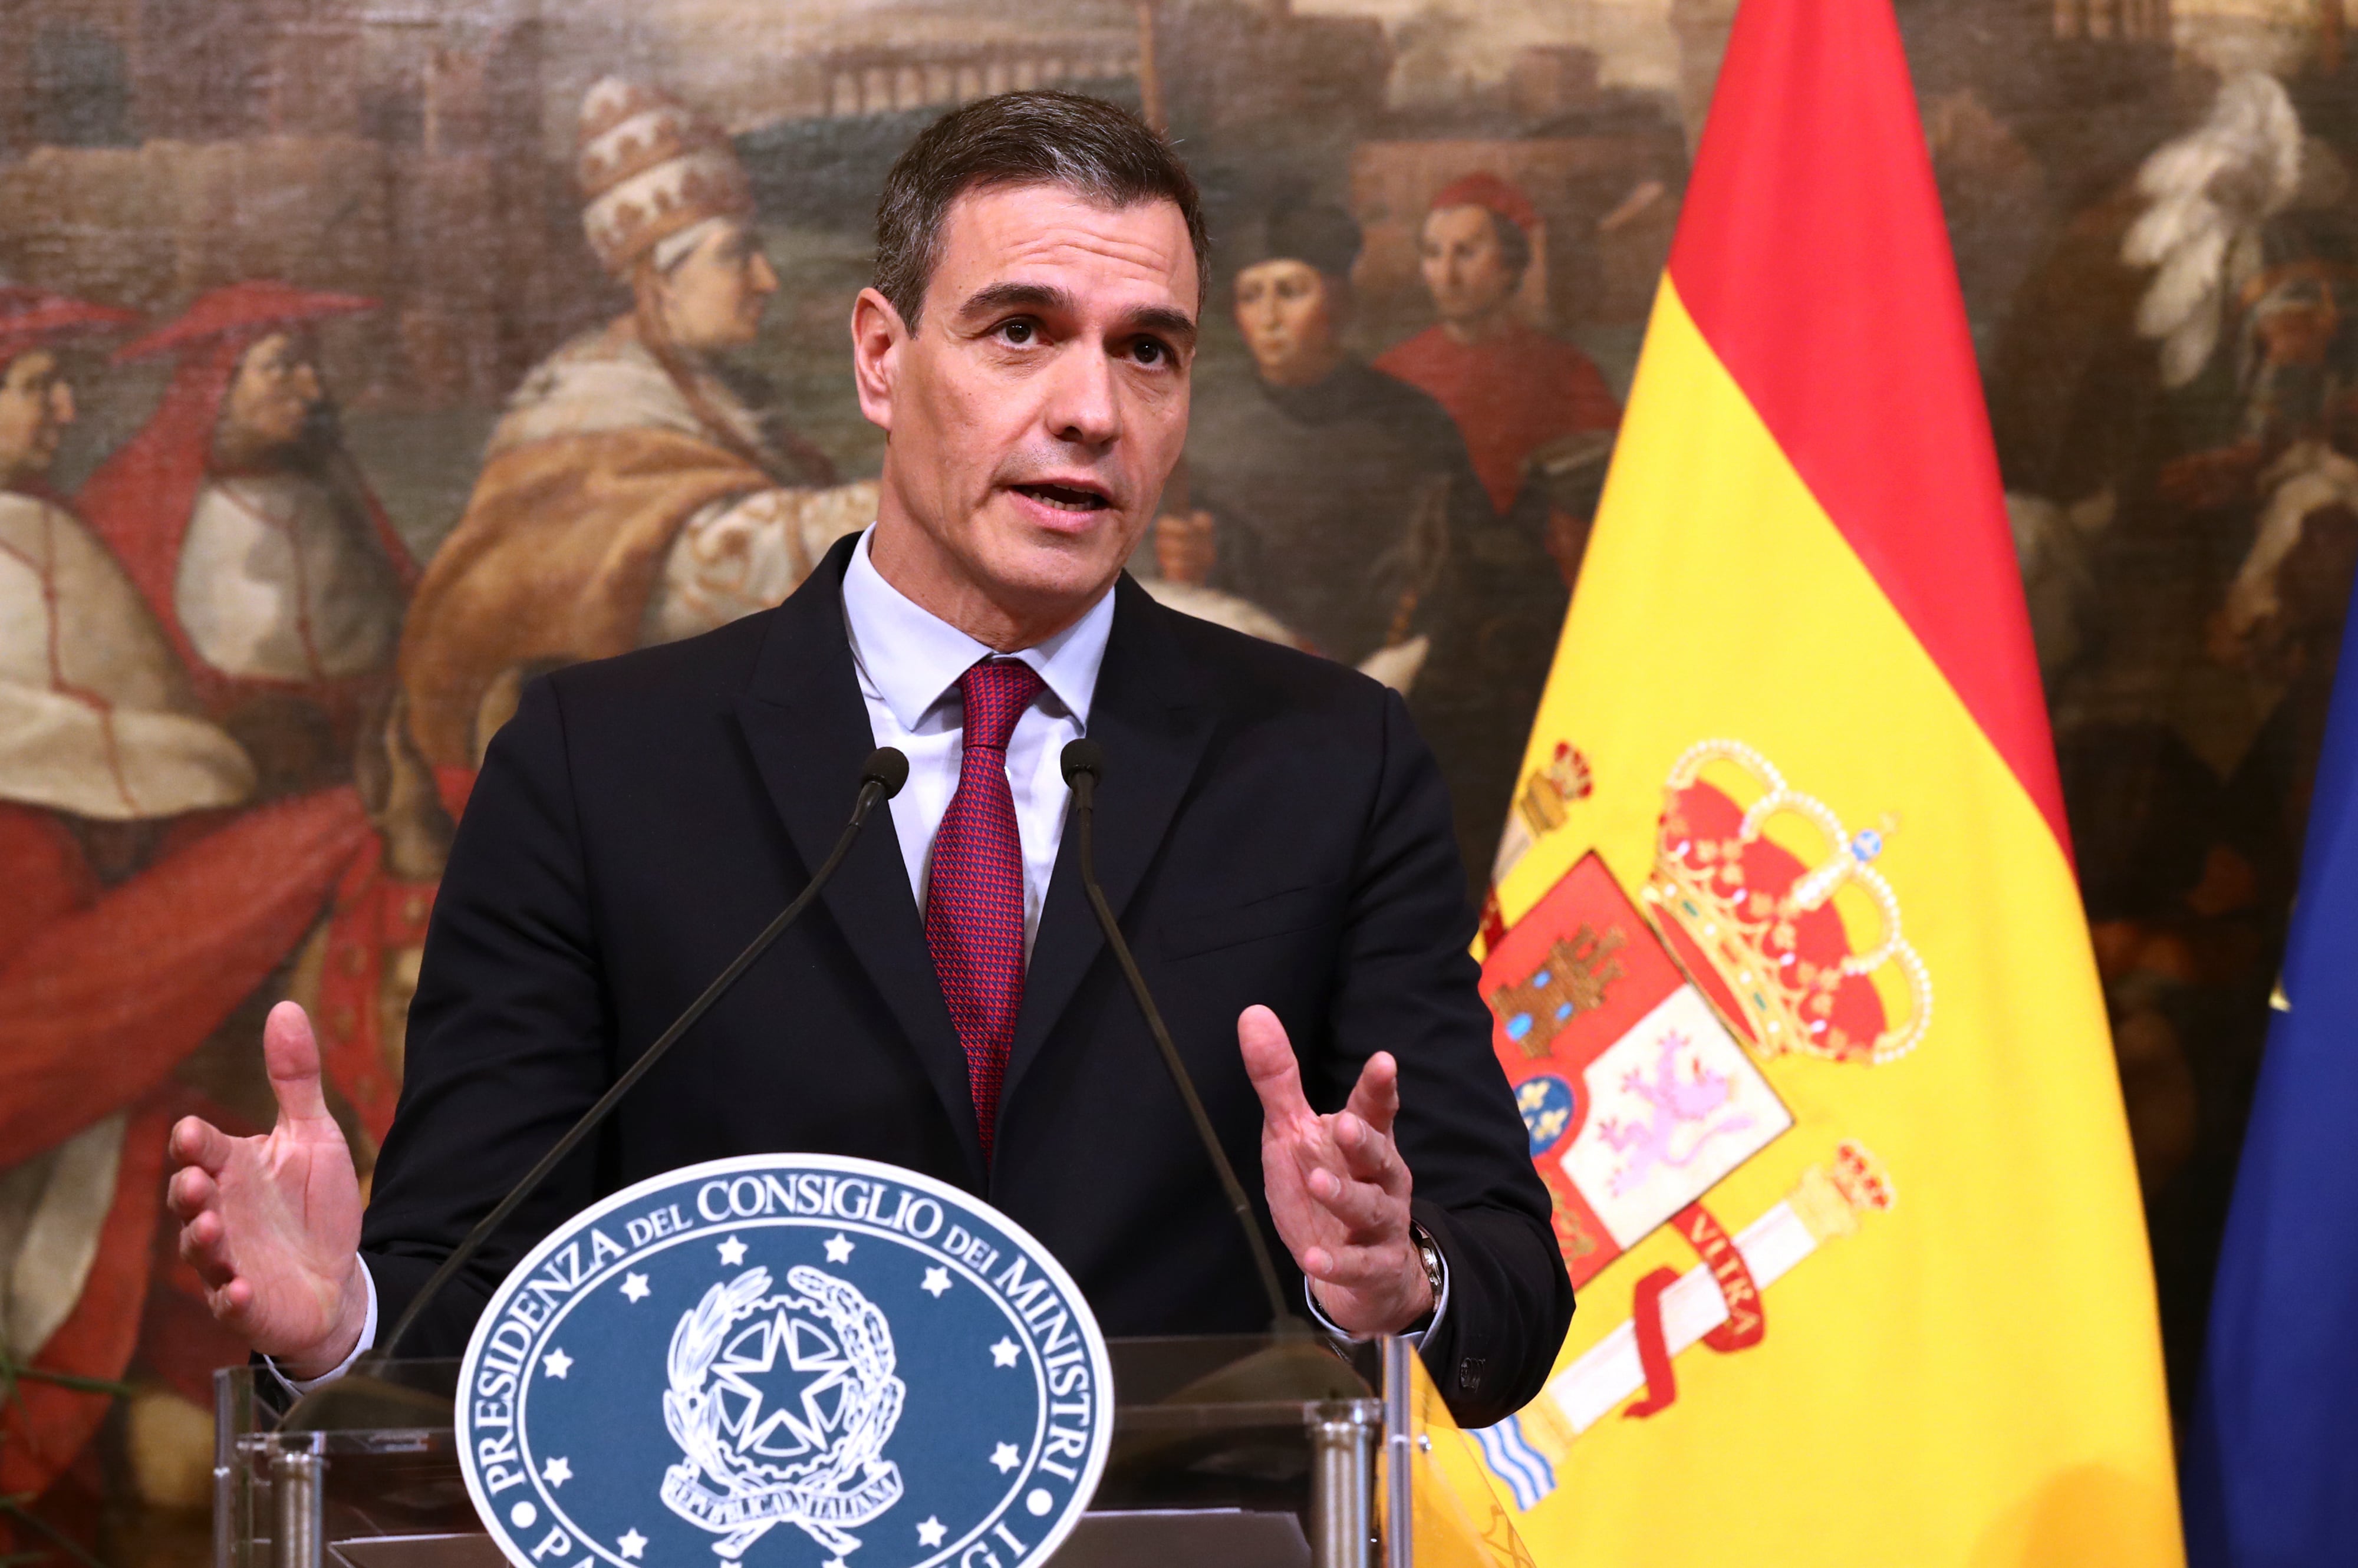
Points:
(1786, 965)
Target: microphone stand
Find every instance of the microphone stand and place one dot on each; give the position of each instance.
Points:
(881, 778)
(1084, 765)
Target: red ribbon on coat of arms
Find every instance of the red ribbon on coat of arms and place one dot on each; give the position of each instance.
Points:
(1747, 1320)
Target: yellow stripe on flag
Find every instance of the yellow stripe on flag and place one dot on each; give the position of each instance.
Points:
(1973, 1376)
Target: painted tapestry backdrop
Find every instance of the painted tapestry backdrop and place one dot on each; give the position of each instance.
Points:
(358, 363)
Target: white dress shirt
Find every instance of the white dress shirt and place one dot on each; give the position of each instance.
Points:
(909, 662)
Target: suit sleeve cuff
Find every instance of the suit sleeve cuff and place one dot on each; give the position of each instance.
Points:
(367, 1342)
(1414, 1336)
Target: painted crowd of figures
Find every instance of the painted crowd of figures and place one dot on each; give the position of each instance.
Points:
(2175, 397)
(238, 720)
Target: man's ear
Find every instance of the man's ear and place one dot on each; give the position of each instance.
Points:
(877, 334)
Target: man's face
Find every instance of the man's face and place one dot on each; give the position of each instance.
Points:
(1286, 311)
(1034, 412)
(36, 407)
(273, 394)
(712, 298)
(1463, 266)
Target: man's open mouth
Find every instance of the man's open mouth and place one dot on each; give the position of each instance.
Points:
(1064, 497)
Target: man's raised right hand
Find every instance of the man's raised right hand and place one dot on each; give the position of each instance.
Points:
(273, 1223)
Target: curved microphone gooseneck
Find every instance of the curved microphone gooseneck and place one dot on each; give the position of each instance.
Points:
(1084, 766)
(881, 778)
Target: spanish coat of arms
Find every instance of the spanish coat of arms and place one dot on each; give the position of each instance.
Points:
(1640, 1037)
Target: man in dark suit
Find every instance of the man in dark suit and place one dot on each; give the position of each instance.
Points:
(1272, 835)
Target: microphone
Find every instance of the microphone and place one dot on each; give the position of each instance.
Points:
(881, 778)
(1084, 765)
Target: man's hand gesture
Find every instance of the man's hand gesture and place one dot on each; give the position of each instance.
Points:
(273, 1223)
(1337, 1186)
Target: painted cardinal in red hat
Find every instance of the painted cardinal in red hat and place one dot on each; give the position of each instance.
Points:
(253, 536)
(1537, 420)
(1510, 387)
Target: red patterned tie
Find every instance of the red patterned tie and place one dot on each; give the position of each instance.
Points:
(974, 893)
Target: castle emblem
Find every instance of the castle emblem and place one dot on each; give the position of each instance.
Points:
(1578, 970)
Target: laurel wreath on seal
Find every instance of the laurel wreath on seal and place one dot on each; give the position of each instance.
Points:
(844, 1484)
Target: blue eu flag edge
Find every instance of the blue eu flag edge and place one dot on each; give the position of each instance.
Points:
(2271, 1465)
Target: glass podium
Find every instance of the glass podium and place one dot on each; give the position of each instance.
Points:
(1251, 1451)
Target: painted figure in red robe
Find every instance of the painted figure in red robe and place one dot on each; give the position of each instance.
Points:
(1515, 391)
(1538, 420)
(144, 899)
(253, 536)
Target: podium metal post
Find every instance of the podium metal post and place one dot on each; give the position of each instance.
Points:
(1342, 1485)
(299, 1475)
(1400, 1456)
(232, 1497)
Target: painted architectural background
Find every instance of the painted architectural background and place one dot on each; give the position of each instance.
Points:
(332, 473)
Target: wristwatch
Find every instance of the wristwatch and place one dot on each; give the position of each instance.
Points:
(1428, 1252)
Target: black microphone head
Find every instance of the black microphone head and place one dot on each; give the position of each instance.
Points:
(886, 766)
(1082, 756)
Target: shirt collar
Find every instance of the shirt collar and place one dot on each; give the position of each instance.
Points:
(914, 658)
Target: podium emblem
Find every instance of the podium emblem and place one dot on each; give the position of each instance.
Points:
(785, 1361)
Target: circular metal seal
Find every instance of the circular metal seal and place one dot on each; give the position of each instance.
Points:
(780, 1361)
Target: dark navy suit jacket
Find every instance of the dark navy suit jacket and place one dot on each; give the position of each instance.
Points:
(1270, 829)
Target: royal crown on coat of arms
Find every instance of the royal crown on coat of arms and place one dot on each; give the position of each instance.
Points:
(1747, 897)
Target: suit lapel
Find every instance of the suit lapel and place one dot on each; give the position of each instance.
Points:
(1153, 725)
(808, 732)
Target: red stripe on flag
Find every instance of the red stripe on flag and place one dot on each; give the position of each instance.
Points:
(1813, 257)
